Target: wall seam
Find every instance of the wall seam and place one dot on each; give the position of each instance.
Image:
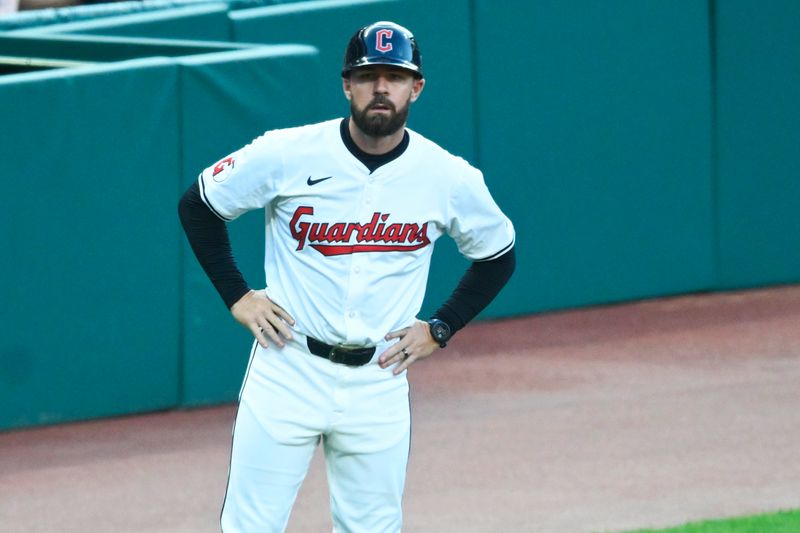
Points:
(473, 54)
(181, 282)
(714, 163)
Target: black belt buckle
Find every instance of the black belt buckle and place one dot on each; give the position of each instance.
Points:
(337, 355)
(340, 354)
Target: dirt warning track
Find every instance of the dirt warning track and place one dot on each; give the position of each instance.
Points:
(604, 419)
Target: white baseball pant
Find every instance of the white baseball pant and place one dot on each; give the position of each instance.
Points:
(290, 401)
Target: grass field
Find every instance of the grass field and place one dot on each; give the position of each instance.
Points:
(781, 522)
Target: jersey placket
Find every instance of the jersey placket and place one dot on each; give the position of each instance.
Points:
(358, 284)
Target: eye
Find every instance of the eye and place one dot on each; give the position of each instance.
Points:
(365, 76)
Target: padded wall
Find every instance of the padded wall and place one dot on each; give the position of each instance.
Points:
(103, 49)
(594, 125)
(203, 22)
(226, 101)
(594, 131)
(90, 262)
(758, 110)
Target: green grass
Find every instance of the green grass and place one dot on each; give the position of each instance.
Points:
(781, 522)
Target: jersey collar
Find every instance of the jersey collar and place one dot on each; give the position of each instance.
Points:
(371, 161)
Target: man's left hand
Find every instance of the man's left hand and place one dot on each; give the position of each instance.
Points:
(415, 343)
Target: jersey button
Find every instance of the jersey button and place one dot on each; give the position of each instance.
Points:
(357, 270)
(351, 314)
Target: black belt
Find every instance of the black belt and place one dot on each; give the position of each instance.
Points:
(339, 354)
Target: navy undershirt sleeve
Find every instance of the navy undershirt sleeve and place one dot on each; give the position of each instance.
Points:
(480, 284)
(208, 236)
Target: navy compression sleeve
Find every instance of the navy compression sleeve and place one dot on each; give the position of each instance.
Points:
(477, 288)
(208, 236)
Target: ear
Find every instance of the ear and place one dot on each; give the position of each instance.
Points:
(416, 89)
(346, 88)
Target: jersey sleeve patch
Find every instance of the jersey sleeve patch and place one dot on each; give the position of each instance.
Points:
(222, 169)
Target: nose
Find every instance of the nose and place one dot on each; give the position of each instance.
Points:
(381, 85)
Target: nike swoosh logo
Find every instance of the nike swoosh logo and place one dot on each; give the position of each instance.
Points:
(314, 182)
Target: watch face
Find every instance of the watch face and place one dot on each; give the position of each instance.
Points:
(441, 331)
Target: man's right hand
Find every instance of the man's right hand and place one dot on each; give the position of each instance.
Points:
(263, 317)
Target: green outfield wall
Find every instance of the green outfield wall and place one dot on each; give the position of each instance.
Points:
(94, 260)
(103, 49)
(90, 316)
(207, 22)
(642, 149)
(600, 115)
(757, 72)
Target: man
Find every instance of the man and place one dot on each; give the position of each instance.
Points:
(353, 207)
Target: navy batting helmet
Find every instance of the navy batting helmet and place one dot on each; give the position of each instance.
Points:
(383, 43)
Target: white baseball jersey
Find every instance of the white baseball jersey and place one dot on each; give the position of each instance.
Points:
(348, 251)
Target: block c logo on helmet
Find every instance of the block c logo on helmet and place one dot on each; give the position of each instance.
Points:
(381, 38)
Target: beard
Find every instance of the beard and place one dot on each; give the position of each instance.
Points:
(379, 125)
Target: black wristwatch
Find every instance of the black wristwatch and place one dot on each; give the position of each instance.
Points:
(440, 331)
